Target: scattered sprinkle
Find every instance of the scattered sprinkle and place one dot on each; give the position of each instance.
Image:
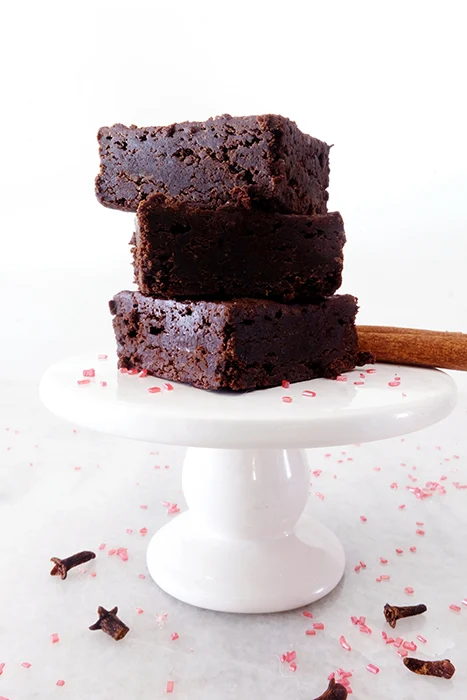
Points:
(123, 370)
(363, 518)
(413, 549)
(2, 666)
(420, 524)
(133, 371)
(25, 664)
(82, 382)
(398, 642)
(111, 552)
(285, 384)
(89, 372)
(420, 532)
(102, 357)
(293, 666)
(143, 506)
(122, 552)
(383, 560)
(168, 387)
(394, 383)
(144, 531)
(142, 576)
(54, 638)
(60, 683)
(370, 371)
(287, 399)
(174, 636)
(170, 686)
(394, 485)
(372, 669)
(154, 389)
(399, 551)
(319, 495)
(309, 394)
(102, 546)
(402, 506)
(455, 608)
(409, 590)
(140, 611)
(403, 653)
(344, 644)
(318, 626)
(421, 639)
(143, 373)
(410, 646)
(310, 633)
(103, 383)
(307, 613)
(341, 378)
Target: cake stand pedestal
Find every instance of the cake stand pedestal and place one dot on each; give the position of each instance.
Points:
(244, 545)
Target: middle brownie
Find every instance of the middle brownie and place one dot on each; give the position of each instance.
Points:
(182, 251)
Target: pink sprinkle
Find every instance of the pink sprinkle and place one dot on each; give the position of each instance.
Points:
(443, 477)
(55, 638)
(398, 642)
(25, 664)
(378, 579)
(144, 531)
(455, 456)
(154, 389)
(410, 646)
(354, 620)
(129, 530)
(464, 601)
(93, 574)
(344, 644)
(60, 683)
(123, 370)
(420, 524)
(319, 495)
(370, 371)
(375, 469)
(144, 506)
(413, 549)
(317, 472)
(341, 378)
(168, 387)
(103, 383)
(362, 376)
(175, 636)
(89, 372)
(401, 507)
(359, 383)
(141, 576)
(456, 608)
(365, 629)
(384, 635)
(421, 639)
(285, 384)
(361, 620)
(363, 518)
(287, 399)
(82, 382)
(102, 357)
(307, 613)
(77, 469)
(400, 551)
(111, 552)
(293, 666)
(288, 657)
(102, 546)
(389, 640)
(2, 666)
(143, 373)
(133, 371)
(309, 394)
(372, 669)
(123, 553)
(362, 564)
(383, 561)
(394, 485)
(397, 379)
(409, 590)
(394, 383)
(357, 568)
(328, 454)
(420, 532)
(140, 611)
(170, 686)
(310, 633)
(318, 626)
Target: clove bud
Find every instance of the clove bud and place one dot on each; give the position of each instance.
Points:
(109, 623)
(392, 613)
(440, 669)
(62, 566)
(335, 691)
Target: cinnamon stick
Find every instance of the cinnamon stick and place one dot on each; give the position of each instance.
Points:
(410, 346)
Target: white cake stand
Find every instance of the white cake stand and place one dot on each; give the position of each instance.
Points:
(244, 545)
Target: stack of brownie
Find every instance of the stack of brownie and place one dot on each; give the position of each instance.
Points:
(235, 255)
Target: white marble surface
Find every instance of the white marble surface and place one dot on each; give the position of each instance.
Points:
(50, 508)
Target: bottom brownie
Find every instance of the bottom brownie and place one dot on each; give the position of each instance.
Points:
(239, 344)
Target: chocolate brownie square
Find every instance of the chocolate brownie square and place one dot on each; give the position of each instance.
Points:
(240, 344)
(257, 160)
(182, 251)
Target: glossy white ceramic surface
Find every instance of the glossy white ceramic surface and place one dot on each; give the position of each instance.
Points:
(241, 546)
(361, 409)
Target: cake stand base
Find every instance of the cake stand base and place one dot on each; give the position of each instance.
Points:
(243, 547)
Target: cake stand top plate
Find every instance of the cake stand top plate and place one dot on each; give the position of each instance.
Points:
(363, 408)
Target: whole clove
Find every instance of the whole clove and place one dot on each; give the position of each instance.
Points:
(440, 669)
(392, 613)
(62, 566)
(109, 623)
(335, 691)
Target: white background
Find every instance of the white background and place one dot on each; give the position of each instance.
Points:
(383, 81)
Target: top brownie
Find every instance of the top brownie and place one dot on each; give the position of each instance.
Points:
(263, 161)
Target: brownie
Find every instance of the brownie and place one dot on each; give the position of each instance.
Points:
(184, 252)
(263, 160)
(239, 344)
